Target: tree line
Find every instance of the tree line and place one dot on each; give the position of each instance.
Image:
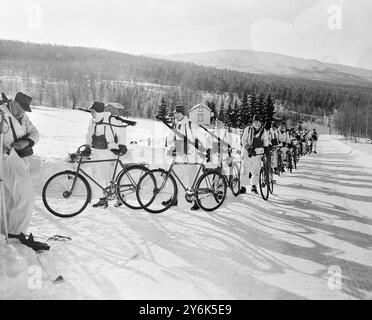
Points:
(73, 77)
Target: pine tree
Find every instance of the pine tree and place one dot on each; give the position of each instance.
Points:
(245, 110)
(252, 107)
(221, 114)
(259, 105)
(229, 116)
(212, 106)
(269, 109)
(238, 115)
(162, 113)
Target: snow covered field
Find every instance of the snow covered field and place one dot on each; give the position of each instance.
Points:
(311, 240)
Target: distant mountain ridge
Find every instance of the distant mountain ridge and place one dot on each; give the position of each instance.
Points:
(275, 64)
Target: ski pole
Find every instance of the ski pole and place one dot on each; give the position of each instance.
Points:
(2, 193)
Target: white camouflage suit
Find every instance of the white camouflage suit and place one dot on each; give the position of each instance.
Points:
(273, 136)
(283, 137)
(102, 171)
(190, 129)
(252, 164)
(19, 193)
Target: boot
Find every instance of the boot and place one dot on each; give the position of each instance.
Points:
(243, 190)
(275, 170)
(36, 245)
(118, 204)
(167, 202)
(195, 207)
(101, 203)
(30, 242)
(283, 170)
(254, 190)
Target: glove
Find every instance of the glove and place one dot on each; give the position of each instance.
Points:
(122, 150)
(171, 152)
(208, 155)
(115, 151)
(86, 152)
(251, 153)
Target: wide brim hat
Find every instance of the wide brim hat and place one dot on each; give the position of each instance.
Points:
(24, 101)
(98, 106)
(180, 109)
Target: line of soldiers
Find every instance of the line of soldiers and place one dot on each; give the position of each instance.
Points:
(257, 139)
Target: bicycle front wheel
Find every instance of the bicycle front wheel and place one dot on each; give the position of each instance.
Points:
(271, 180)
(66, 194)
(295, 158)
(127, 183)
(211, 190)
(264, 184)
(156, 191)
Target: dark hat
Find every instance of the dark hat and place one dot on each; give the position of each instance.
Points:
(180, 109)
(257, 117)
(24, 100)
(98, 106)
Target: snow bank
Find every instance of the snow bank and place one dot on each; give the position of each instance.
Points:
(15, 262)
(360, 153)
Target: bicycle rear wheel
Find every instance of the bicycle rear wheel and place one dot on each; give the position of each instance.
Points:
(234, 180)
(264, 184)
(280, 164)
(127, 183)
(66, 194)
(210, 190)
(156, 191)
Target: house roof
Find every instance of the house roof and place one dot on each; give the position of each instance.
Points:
(200, 105)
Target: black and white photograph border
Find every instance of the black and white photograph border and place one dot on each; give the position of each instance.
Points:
(185, 150)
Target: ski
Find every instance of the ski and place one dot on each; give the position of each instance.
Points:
(51, 273)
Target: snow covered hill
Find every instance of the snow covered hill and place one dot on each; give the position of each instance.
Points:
(311, 240)
(272, 63)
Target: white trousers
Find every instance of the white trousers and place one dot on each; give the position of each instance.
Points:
(274, 159)
(101, 171)
(18, 192)
(250, 165)
(315, 146)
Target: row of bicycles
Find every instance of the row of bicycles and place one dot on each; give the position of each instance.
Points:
(67, 194)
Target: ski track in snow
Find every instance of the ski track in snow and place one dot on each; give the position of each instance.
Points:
(248, 249)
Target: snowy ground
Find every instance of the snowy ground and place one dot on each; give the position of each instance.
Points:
(311, 240)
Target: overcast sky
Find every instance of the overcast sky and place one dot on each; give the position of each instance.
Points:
(328, 30)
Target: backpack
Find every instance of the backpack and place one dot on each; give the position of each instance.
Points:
(185, 139)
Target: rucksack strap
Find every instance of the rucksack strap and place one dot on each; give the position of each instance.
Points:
(13, 130)
(112, 130)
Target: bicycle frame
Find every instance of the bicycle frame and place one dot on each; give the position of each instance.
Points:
(85, 174)
(172, 172)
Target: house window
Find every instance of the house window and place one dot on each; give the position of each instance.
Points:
(200, 118)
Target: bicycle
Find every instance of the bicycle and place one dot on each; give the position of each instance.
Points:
(232, 177)
(266, 178)
(67, 193)
(157, 190)
(280, 165)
